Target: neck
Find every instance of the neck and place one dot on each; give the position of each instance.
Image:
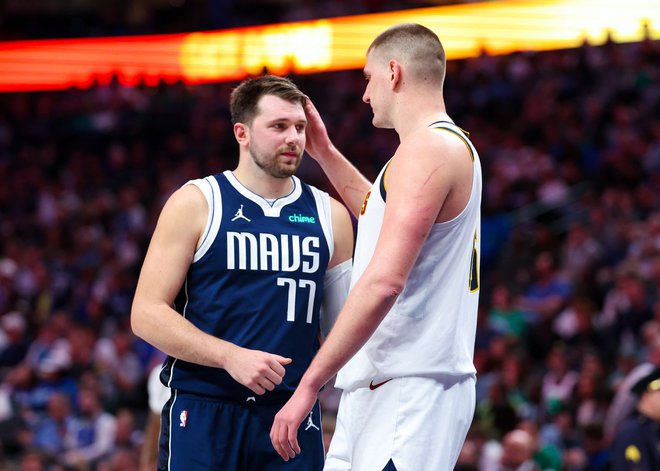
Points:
(262, 184)
(419, 110)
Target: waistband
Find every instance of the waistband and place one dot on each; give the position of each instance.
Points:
(270, 398)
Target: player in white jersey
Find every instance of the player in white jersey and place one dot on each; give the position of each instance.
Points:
(404, 340)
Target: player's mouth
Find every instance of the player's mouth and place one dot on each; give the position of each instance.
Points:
(291, 155)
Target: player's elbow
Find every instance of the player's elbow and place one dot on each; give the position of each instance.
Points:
(139, 320)
(388, 287)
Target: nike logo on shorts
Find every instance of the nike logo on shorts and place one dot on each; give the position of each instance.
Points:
(373, 386)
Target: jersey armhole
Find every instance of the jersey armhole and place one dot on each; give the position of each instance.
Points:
(461, 135)
(211, 191)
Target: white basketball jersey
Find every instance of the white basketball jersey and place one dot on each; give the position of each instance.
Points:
(430, 330)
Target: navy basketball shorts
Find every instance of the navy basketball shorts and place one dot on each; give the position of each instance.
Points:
(201, 433)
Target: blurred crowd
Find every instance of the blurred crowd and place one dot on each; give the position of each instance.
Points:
(570, 146)
(36, 19)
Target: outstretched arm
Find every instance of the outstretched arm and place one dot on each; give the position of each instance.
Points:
(164, 270)
(351, 185)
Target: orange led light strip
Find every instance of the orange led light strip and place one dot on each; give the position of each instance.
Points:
(466, 30)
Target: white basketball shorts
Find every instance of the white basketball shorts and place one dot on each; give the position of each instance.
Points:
(405, 424)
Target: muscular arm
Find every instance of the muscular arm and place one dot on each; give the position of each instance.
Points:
(351, 185)
(164, 270)
(421, 176)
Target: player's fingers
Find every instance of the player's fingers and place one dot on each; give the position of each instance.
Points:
(277, 365)
(256, 388)
(293, 441)
(275, 440)
(310, 110)
(281, 443)
(282, 360)
(268, 384)
(271, 379)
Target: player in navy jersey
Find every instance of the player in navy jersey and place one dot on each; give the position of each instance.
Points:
(232, 287)
(403, 344)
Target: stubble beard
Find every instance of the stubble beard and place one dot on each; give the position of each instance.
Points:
(272, 167)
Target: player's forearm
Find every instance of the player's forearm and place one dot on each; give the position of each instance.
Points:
(167, 330)
(368, 303)
(351, 185)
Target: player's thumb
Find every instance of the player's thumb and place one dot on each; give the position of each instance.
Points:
(283, 360)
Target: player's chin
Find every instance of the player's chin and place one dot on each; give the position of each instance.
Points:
(286, 171)
(377, 123)
(382, 124)
(289, 166)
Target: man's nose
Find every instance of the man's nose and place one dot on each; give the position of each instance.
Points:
(292, 135)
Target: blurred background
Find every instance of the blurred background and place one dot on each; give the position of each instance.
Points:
(569, 140)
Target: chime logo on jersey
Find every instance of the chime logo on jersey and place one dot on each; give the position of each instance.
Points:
(183, 418)
(301, 218)
(264, 252)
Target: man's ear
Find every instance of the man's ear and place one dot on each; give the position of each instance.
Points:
(395, 73)
(242, 134)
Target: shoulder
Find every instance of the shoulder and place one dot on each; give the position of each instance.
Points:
(341, 219)
(428, 158)
(342, 228)
(437, 144)
(187, 208)
(188, 197)
(339, 211)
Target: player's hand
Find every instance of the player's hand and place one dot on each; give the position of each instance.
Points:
(284, 433)
(259, 371)
(316, 132)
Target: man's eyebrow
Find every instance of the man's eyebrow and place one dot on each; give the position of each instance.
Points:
(286, 120)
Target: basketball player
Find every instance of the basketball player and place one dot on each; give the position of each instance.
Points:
(405, 338)
(231, 289)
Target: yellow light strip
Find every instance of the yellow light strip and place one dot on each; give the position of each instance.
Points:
(321, 45)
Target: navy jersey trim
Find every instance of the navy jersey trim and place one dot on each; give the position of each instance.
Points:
(269, 208)
(383, 186)
(459, 134)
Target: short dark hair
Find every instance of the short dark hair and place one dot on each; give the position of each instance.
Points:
(245, 97)
(417, 45)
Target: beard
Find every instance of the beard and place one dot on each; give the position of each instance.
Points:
(272, 165)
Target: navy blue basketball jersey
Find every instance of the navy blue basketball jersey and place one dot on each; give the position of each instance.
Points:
(257, 281)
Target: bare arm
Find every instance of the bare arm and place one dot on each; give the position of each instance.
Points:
(164, 270)
(342, 229)
(347, 180)
(418, 184)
